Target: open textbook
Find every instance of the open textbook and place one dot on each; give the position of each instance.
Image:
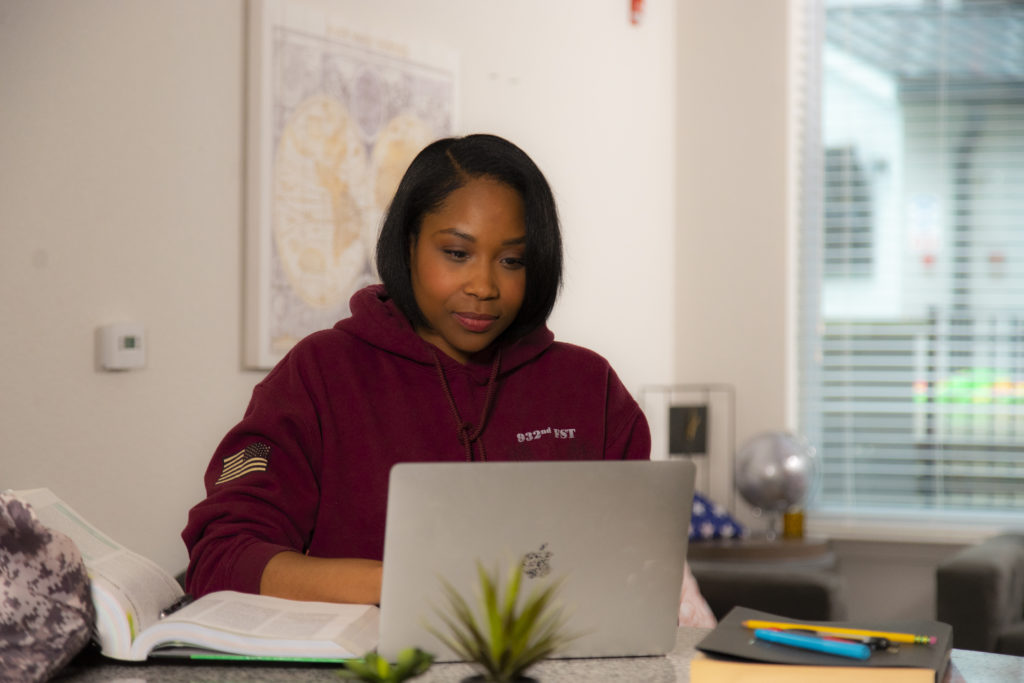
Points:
(133, 594)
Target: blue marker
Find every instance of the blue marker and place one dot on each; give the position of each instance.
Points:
(832, 647)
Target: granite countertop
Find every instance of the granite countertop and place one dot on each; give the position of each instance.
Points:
(670, 669)
(967, 667)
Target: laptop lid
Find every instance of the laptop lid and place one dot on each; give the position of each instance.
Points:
(614, 532)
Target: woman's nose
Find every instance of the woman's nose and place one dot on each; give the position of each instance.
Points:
(481, 282)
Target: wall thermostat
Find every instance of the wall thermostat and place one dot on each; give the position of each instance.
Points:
(122, 346)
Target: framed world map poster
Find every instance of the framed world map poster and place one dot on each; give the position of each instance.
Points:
(334, 118)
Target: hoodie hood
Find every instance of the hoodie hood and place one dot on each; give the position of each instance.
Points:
(377, 321)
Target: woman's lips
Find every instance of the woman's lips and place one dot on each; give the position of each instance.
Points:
(475, 322)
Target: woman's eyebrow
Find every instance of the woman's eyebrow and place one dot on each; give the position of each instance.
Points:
(455, 233)
(470, 238)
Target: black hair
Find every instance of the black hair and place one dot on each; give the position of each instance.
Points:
(443, 167)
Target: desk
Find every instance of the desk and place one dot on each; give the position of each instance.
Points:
(804, 550)
(967, 667)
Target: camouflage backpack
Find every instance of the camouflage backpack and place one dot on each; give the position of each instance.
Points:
(46, 612)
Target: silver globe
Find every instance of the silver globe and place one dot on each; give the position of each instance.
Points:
(776, 471)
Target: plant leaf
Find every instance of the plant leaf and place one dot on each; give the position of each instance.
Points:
(466, 638)
(383, 667)
(492, 614)
(508, 616)
(458, 641)
(359, 668)
(411, 662)
(508, 637)
(508, 613)
(464, 615)
(535, 605)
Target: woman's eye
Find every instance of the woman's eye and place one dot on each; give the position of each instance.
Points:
(456, 254)
(513, 262)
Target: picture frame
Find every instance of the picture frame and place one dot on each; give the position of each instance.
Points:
(695, 421)
(334, 116)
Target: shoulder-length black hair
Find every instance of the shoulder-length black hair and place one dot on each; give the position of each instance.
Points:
(443, 167)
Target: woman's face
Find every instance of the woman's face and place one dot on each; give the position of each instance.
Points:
(468, 273)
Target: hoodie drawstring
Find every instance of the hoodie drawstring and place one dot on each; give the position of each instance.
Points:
(466, 436)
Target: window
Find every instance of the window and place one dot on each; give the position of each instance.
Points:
(912, 256)
(847, 220)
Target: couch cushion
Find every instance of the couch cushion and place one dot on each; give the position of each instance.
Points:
(1011, 640)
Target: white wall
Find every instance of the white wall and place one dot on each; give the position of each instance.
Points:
(732, 264)
(121, 158)
(735, 271)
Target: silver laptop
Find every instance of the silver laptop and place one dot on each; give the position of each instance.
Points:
(614, 532)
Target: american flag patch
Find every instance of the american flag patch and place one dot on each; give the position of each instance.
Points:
(254, 458)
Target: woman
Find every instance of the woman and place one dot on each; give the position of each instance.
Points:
(448, 359)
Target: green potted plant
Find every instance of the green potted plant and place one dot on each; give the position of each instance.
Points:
(508, 638)
(373, 668)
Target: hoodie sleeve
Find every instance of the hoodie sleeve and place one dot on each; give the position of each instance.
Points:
(261, 487)
(627, 435)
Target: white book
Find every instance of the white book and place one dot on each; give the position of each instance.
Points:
(131, 593)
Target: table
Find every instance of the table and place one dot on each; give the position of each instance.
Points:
(967, 667)
(816, 551)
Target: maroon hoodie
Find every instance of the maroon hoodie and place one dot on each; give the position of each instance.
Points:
(307, 467)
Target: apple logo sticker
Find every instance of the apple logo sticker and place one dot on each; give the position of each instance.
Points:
(537, 564)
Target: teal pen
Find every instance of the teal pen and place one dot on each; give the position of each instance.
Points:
(832, 647)
(873, 642)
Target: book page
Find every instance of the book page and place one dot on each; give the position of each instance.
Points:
(260, 624)
(268, 617)
(56, 514)
(129, 590)
(142, 587)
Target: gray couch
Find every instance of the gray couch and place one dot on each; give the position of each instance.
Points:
(808, 587)
(979, 591)
(814, 596)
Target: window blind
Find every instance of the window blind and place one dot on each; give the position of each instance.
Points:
(911, 269)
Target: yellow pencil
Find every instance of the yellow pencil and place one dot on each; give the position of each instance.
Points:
(840, 630)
